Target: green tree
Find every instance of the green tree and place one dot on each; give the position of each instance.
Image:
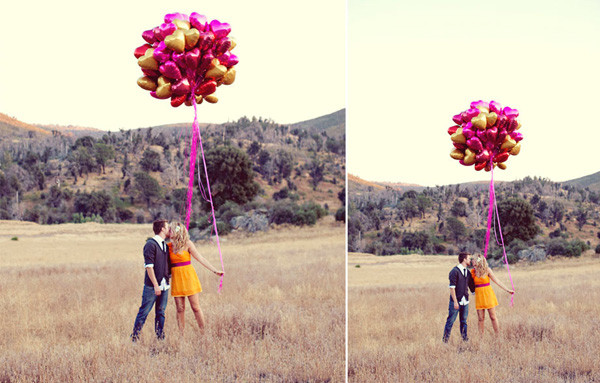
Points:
(458, 209)
(103, 153)
(230, 175)
(316, 172)
(148, 188)
(517, 219)
(150, 161)
(284, 163)
(456, 228)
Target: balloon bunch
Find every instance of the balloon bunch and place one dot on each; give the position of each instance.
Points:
(485, 135)
(186, 58)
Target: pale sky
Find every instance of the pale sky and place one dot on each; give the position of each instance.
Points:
(71, 62)
(412, 65)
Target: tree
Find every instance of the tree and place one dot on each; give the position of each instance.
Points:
(517, 220)
(148, 187)
(317, 173)
(103, 153)
(581, 217)
(150, 161)
(230, 175)
(458, 209)
(284, 163)
(455, 228)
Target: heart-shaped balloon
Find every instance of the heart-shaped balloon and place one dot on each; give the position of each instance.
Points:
(147, 83)
(198, 21)
(495, 107)
(479, 121)
(484, 156)
(510, 113)
(170, 17)
(219, 29)
(517, 136)
(452, 129)
(148, 62)
(501, 157)
(181, 87)
(206, 88)
(149, 36)
(516, 149)
(141, 50)
(176, 41)
(164, 91)
(457, 154)
(171, 70)
(182, 24)
(479, 166)
(475, 144)
(162, 53)
(177, 100)
(491, 119)
(212, 99)
(164, 30)
(191, 38)
(502, 166)
(458, 137)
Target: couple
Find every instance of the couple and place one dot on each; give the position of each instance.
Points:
(478, 281)
(163, 260)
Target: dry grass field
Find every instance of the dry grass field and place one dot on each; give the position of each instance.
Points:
(70, 293)
(397, 308)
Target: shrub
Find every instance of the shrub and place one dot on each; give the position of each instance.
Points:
(598, 249)
(299, 215)
(340, 214)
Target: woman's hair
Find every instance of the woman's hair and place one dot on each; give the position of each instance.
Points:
(179, 236)
(481, 266)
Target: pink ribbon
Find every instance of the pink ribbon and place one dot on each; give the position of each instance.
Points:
(197, 137)
(494, 206)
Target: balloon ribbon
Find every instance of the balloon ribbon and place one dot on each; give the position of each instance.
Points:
(494, 206)
(197, 138)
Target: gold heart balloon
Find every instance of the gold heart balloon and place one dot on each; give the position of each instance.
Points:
(176, 41)
(458, 137)
(147, 83)
(182, 24)
(491, 119)
(233, 43)
(518, 126)
(164, 91)
(199, 99)
(229, 77)
(502, 166)
(217, 71)
(457, 154)
(212, 99)
(162, 80)
(147, 61)
(469, 157)
(483, 109)
(516, 149)
(509, 143)
(479, 121)
(191, 37)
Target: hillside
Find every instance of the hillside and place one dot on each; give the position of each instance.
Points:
(81, 174)
(11, 128)
(592, 182)
(333, 124)
(452, 218)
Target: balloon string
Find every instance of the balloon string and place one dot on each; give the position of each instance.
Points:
(193, 154)
(493, 206)
(212, 208)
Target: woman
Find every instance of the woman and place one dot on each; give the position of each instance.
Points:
(184, 280)
(485, 299)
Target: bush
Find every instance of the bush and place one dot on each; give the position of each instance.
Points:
(124, 214)
(559, 246)
(340, 214)
(299, 215)
(598, 249)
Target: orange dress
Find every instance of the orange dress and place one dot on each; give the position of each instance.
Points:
(184, 280)
(484, 294)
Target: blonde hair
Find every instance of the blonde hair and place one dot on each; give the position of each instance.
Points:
(481, 267)
(179, 237)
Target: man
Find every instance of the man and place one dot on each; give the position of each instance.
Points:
(461, 282)
(156, 281)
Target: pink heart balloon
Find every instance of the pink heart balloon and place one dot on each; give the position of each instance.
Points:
(181, 87)
(517, 136)
(223, 46)
(480, 103)
(165, 30)
(192, 59)
(149, 36)
(220, 29)
(169, 17)
(472, 112)
(475, 144)
(491, 134)
(170, 70)
(205, 62)
(151, 73)
(501, 136)
(512, 125)
(231, 60)
(495, 107)
(198, 21)
(205, 41)
(510, 113)
(459, 146)
(162, 53)
(179, 59)
(468, 133)
(484, 156)
(457, 118)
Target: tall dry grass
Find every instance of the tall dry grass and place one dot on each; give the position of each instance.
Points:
(69, 295)
(397, 308)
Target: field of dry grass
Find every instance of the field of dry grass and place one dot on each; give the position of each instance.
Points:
(397, 307)
(69, 295)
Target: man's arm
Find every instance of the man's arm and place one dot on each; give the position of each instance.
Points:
(453, 278)
(152, 276)
(453, 294)
(149, 257)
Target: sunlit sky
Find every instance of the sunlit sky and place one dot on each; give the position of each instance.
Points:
(412, 65)
(71, 62)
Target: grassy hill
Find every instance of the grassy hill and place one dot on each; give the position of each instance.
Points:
(46, 178)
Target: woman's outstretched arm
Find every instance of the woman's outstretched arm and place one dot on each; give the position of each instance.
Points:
(496, 281)
(194, 252)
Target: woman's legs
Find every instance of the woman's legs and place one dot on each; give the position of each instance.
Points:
(481, 317)
(492, 314)
(195, 303)
(180, 304)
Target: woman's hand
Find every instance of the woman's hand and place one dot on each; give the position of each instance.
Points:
(510, 291)
(219, 273)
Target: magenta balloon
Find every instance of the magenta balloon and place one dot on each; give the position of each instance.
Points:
(510, 113)
(162, 53)
(484, 156)
(220, 29)
(151, 73)
(205, 41)
(472, 112)
(511, 125)
(171, 70)
(179, 59)
(198, 21)
(475, 144)
(149, 36)
(457, 118)
(205, 63)
(517, 136)
(165, 30)
(181, 87)
(502, 133)
(459, 146)
(491, 133)
(468, 132)
(169, 17)
(480, 103)
(495, 107)
(192, 59)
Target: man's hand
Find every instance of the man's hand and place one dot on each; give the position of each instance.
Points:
(157, 291)
(455, 305)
